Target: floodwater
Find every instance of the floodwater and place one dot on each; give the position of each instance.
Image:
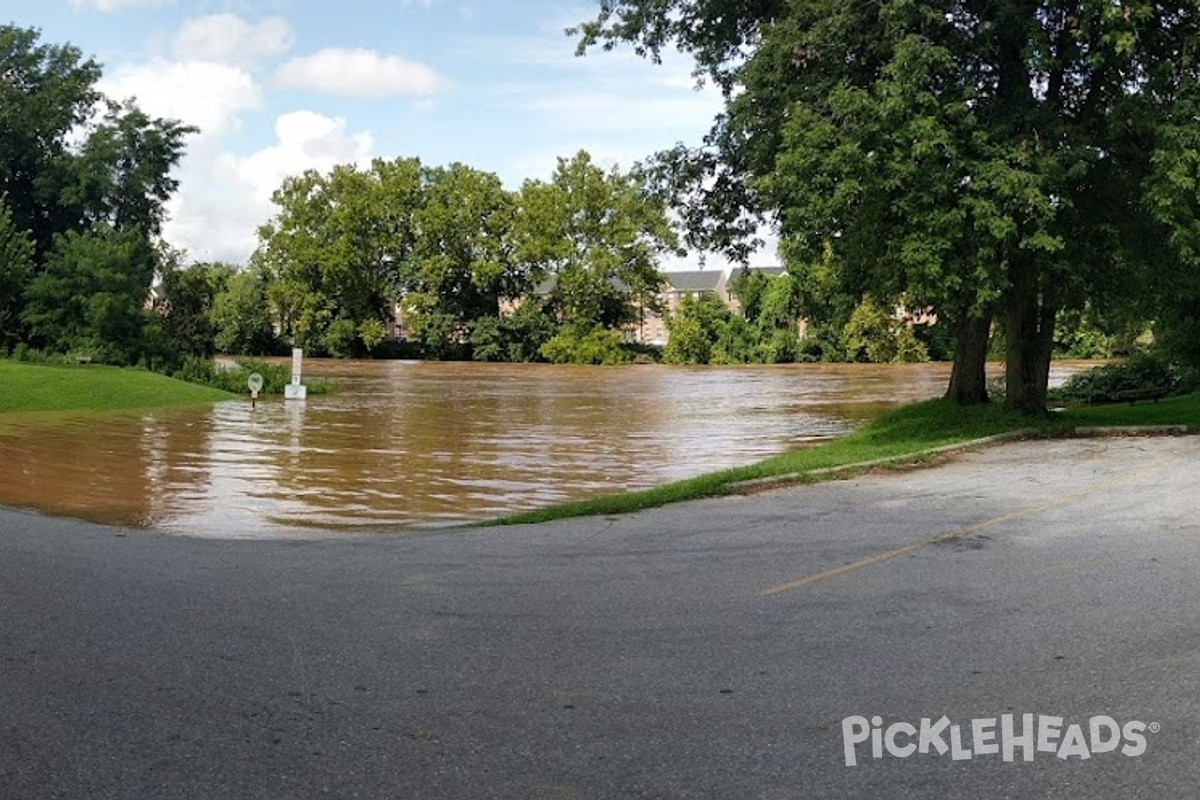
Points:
(415, 444)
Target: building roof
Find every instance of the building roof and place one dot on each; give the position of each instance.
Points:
(696, 280)
(770, 272)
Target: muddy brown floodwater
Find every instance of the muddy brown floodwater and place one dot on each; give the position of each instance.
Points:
(415, 444)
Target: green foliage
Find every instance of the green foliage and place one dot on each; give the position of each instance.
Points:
(965, 156)
(599, 234)
(372, 333)
(1086, 333)
(874, 334)
(736, 343)
(704, 331)
(781, 346)
(16, 270)
(586, 345)
(442, 335)
(690, 343)
(124, 169)
(749, 287)
(696, 328)
(241, 315)
(185, 312)
(48, 91)
(518, 337)
(1142, 371)
(206, 372)
(90, 296)
(84, 182)
(340, 339)
(336, 247)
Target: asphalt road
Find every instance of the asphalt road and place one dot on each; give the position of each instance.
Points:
(707, 650)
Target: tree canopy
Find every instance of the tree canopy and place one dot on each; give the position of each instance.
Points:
(1004, 159)
(84, 181)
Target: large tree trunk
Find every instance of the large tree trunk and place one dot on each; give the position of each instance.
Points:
(968, 379)
(1030, 332)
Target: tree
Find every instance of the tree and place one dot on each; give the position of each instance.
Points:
(696, 328)
(875, 335)
(87, 187)
(46, 92)
(461, 267)
(186, 310)
(599, 235)
(241, 315)
(123, 170)
(90, 297)
(347, 246)
(16, 269)
(1012, 157)
(335, 249)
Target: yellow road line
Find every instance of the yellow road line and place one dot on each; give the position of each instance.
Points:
(963, 533)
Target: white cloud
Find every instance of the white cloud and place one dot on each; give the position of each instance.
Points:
(304, 140)
(359, 73)
(229, 39)
(222, 201)
(120, 5)
(207, 95)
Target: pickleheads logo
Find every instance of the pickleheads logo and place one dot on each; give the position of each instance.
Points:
(1004, 736)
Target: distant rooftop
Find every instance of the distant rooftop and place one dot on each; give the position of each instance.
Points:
(770, 272)
(696, 280)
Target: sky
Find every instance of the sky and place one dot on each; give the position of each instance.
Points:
(280, 86)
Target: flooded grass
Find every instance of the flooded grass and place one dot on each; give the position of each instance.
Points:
(40, 387)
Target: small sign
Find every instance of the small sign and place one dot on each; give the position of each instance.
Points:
(255, 382)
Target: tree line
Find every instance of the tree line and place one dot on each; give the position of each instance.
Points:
(1025, 171)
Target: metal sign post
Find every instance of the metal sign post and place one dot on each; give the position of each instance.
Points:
(255, 384)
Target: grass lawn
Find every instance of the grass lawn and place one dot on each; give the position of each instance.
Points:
(1172, 411)
(40, 387)
(908, 431)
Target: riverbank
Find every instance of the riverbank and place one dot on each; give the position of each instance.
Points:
(912, 434)
(44, 387)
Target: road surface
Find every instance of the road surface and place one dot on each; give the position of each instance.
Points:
(731, 648)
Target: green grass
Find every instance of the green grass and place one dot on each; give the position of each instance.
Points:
(39, 387)
(902, 434)
(1171, 411)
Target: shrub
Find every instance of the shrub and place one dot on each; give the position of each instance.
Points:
(583, 346)
(1139, 372)
(275, 376)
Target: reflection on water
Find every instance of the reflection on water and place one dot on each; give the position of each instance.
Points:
(407, 444)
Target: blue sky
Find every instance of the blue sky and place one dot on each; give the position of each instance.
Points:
(279, 86)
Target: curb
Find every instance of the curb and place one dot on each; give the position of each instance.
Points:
(1133, 430)
(793, 477)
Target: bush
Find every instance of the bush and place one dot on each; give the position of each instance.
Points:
(1142, 371)
(594, 346)
(275, 376)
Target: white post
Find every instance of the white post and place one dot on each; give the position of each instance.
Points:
(296, 390)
